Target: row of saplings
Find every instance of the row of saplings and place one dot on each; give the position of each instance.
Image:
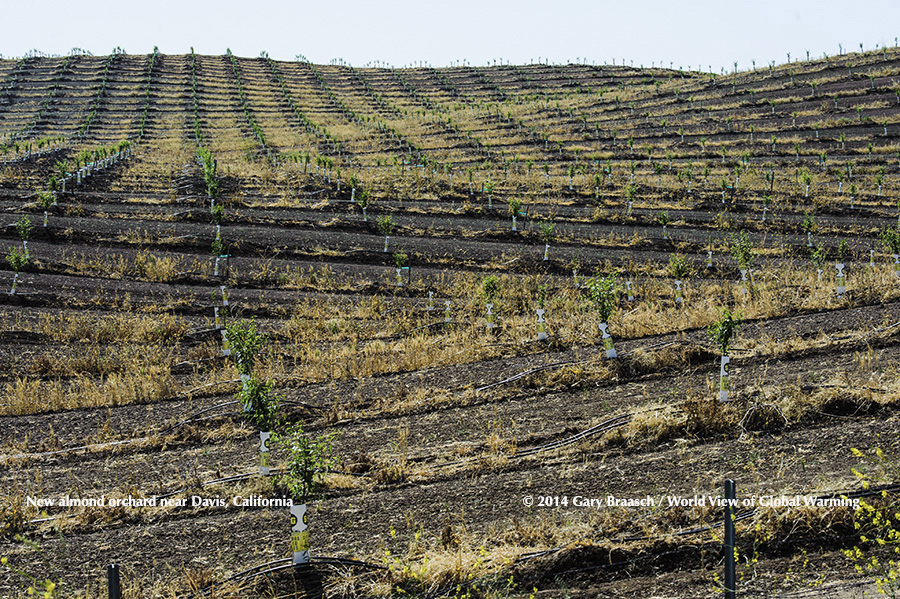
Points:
(308, 458)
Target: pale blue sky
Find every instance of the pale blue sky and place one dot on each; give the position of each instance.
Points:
(687, 33)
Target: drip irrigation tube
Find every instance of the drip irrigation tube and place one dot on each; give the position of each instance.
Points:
(278, 565)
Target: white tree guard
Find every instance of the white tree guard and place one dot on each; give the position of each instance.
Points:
(226, 347)
(541, 325)
(607, 341)
(264, 463)
(724, 383)
(299, 534)
(840, 279)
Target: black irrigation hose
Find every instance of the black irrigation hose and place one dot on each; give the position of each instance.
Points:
(190, 418)
(278, 565)
(603, 427)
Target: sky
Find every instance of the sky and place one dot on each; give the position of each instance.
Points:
(689, 33)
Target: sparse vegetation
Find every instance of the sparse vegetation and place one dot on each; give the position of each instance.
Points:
(113, 355)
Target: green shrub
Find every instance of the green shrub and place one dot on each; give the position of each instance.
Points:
(308, 460)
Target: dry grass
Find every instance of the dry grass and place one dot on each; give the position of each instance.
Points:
(26, 395)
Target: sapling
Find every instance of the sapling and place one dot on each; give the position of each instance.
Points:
(722, 332)
(840, 278)
(601, 295)
(548, 234)
(218, 216)
(806, 177)
(890, 237)
(489, 190)
(245, 342)
(541, 307)
(514, 205)
(260, 405)
(309, 459)
(808, 225)
(363, 202)
(678, 268)
(742, 251)
(490, 290)
(23, 228)
(16, 259)
(575, 264)
(819, 255)
(386, 227)
(630, 194)
(879, 179)
(45, 200)
(400, 259)
(663, 218)
(218, 250)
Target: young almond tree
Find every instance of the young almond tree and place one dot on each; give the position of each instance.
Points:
(363, 202)
(400, 259)
(721, 332)
(630, 194)
(808, 224)
(489, 190)
(386, 227)
(260, 406)
(490, 292)
(840, 277)
(309, 459)
(890, 237)
(819, 256)
(549, 235)
(742, 251)
(218, 216)
(664, 220)
(515, 206)
(601, 294)
(16, 259)
(679, 268)
(46, 199)
(23, 228)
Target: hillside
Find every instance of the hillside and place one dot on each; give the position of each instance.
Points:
(364, 219)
